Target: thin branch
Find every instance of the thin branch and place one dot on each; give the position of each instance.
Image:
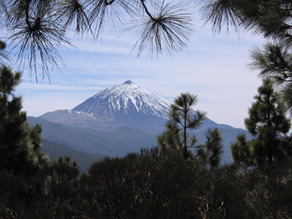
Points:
(146, 10)
(27, 14)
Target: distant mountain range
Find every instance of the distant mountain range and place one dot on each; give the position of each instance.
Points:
(117, 121)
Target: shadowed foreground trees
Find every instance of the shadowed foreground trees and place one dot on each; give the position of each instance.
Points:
(21, 159)
(267, 122)
(160, 184)
(19, 144)
(265, 161)
(151, 184)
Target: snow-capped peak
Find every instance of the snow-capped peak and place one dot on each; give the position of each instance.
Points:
(129, 82)
(126, 99)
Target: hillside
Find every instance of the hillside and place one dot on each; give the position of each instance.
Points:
(55, 150)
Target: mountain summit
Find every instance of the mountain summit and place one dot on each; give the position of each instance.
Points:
(128, 82)
(125, 102)
(123, 105)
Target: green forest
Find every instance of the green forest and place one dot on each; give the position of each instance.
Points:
(177, 178)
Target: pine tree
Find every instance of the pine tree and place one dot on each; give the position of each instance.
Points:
(209, 154)
(182, 119)
(267, 122)
(19, 144)
(214, 147)
(275, 62)
(241, 152)
(272, 18)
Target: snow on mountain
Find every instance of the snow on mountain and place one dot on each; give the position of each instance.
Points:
(123, 105)
(126, 99)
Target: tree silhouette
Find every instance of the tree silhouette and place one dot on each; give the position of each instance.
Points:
(268, 17)
(19, 144)
(214, 147)
(21, 159)
(267, 122)
(182, 119)
(275, 61)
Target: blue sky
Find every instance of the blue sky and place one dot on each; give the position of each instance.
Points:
(214, 67)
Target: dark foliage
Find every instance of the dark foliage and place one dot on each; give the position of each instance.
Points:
(182, 120)
(151, 184)
(268, 123)
(19, 144)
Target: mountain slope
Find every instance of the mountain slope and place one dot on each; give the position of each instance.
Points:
(106, 143)
(126, 98)
(55, 150)
(117, 142)
(113, 143)
(124, 105)
(119, 120)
